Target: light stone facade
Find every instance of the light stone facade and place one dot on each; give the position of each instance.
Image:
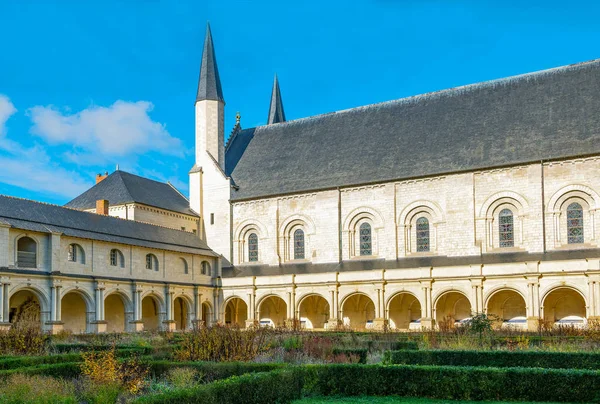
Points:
(89, 294)
(439, 250)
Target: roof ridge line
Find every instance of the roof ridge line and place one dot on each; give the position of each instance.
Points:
(447, 91)
(124, 183)
(86, 212)
(176, 190)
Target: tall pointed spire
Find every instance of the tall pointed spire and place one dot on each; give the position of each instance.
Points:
(276, 114)
(209, 84)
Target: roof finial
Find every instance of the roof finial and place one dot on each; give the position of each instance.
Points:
(209, 84)
(238, 117)
(276, 113)
(117, 167)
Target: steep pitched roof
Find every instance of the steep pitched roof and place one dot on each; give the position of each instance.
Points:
(276, 113)
(46, 218)
(209, 84)
(121, 187)
(545, 115)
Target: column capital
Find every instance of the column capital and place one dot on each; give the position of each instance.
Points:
(100, 286)
(4, 280)
(56, 283)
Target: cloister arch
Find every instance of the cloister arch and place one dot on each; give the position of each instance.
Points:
(561, 302)
(151, 312)
(182, 309)
(115, 314)
(236, 312)
(358, 311)
(272, 310)
(403, 308)
(313, 311)
(27, 308)
(207, 313)
(452, 306)
(75, 306)
(505, 304)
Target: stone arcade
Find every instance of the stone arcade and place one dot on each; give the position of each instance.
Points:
(403, 214)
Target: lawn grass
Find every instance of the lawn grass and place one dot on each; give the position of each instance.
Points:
(392, 399)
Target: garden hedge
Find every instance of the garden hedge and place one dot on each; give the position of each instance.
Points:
(279, 386)
(439, 382)
(213, 370)
(529, 359)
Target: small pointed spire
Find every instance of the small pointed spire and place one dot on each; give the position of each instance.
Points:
(209, 84)
(238, 117)
(276, 114)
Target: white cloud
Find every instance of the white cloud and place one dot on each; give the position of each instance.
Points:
(31, 168)
(103, 133)
(7, 109)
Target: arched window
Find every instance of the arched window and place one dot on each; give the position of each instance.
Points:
(366, 241)
(423, 244)
(26, 253)
(506, 228)
(116, 258)
(184, 265)
(575, 223)
(299, 244)
(205, 268)
(151, 262)
(76, 253)
(253, 247)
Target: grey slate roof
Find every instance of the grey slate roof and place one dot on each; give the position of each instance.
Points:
(209, 84)
(121, 187)
(239, 140)
(36, 216)
(276, 113)
(545, 115)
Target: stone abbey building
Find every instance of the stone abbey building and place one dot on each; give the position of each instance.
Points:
(407, 213)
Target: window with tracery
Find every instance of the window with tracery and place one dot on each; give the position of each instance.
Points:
(299, 244)
(423, 242)
(366, 241)
(253, 247)
(575, 223)
(506, 228)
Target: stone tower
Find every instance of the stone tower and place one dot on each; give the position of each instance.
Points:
(209, 186)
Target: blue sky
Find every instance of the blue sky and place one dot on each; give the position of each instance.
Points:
(88, 85)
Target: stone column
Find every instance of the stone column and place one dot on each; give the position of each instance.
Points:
(251, 321)
(427, 320)
(169, 322)
(379, 322)
(334, 319)
(534, 310)
(4, 305)
(137, 323)
(198, 308)
(54, 325)
(99, 325)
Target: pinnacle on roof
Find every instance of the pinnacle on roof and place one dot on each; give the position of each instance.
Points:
(276, 114)
(209, 84)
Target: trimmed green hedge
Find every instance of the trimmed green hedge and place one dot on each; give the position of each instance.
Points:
(279, 386)
(14, 362)
(439, 382)
(528, 359)
(456, 383)
(212, 370)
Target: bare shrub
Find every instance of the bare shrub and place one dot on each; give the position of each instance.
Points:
(221, 344)
(23, 341)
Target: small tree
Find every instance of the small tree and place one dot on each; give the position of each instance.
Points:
(480, 324)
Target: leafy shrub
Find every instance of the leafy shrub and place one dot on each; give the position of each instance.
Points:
(182, 377)
(222, 344)
(20, 388)
(552, 360)
(353, 355)
(412, 345)
(104, 368)
(211, 371)
(23, 341)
